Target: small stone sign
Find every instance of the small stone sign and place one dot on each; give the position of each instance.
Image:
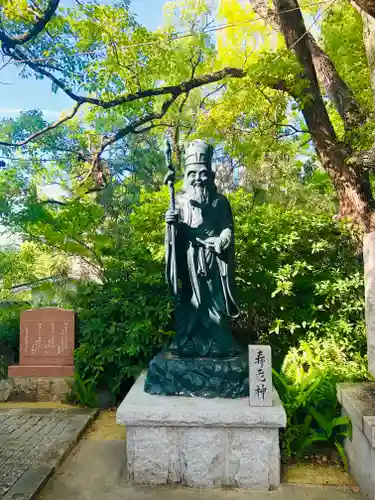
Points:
(260, 375)
(46, 343)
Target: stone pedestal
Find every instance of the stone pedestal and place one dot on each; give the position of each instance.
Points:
(369, 269)
(201, 442)
(358, 402)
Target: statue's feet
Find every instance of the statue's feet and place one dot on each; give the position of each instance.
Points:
(196, 376)
(216, 350)
(186, 349)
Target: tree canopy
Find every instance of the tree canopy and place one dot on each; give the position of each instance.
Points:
(284, 90)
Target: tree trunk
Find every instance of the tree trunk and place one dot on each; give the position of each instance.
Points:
(368, 19)
(352, 185)
(367, 6)
(369, 41)
(176, 146)
(351, 181)
(336, 89)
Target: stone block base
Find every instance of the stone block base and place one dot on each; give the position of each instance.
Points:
(358, 402)
(40, 371)
(36, 389)
(200, 442)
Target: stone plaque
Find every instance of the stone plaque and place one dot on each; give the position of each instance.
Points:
(47, 337)
(260, 375)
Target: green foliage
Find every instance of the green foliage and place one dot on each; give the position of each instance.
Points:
(324, 355)
(312, 414)
(122, 324)
(83, 393)
(125, 320)
(297, 276)
(307, 386)
(20, 265)
(10, 323)
(297, 279)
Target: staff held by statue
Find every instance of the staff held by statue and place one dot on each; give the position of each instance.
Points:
(171, 228)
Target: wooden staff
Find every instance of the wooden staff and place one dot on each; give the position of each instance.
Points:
(170, 180)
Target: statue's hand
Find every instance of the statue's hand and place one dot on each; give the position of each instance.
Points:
(170, 177)
(208, 243)
(217, 244)
(224, 242)
(171, 217)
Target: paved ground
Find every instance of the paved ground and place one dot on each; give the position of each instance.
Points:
(95, 471)
(32, 443)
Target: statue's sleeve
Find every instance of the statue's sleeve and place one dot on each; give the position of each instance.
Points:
(226, 216)
(172, 252)
(226, 260)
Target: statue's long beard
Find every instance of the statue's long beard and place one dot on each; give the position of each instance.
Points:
(200, 194)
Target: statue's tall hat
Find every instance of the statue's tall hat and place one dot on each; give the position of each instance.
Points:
(198, 152)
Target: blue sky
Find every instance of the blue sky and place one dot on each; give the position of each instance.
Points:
(17, 94)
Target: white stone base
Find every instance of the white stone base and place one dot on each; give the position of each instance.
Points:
(199, 442)
(358, 402)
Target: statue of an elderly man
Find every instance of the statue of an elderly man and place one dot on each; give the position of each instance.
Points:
(203, 358)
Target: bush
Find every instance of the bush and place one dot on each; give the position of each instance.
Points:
(298, 276)
(10, 324)
(307, 387)
(120, 328)
(312, 414)
(126, 320)
(9, 333)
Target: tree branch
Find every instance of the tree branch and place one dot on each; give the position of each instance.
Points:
(293, 128)
(9, 42)
(133, 127)
(178, 89)
(53, 202)
(44, 130)
(363, 159)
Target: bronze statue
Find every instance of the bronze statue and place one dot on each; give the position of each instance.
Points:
(203, 358)
(205, 261)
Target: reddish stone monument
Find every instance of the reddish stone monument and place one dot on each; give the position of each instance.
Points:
(46, 343)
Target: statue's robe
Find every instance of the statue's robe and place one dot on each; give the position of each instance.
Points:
(205, 299)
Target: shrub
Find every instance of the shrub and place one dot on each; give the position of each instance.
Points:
(10, 323)
(126, 320)
(121, 326)
(297, 276)
(312, 414)
(307, 387)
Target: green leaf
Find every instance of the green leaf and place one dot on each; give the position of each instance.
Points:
(323, 422)
(343, 456)
(343, 420)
